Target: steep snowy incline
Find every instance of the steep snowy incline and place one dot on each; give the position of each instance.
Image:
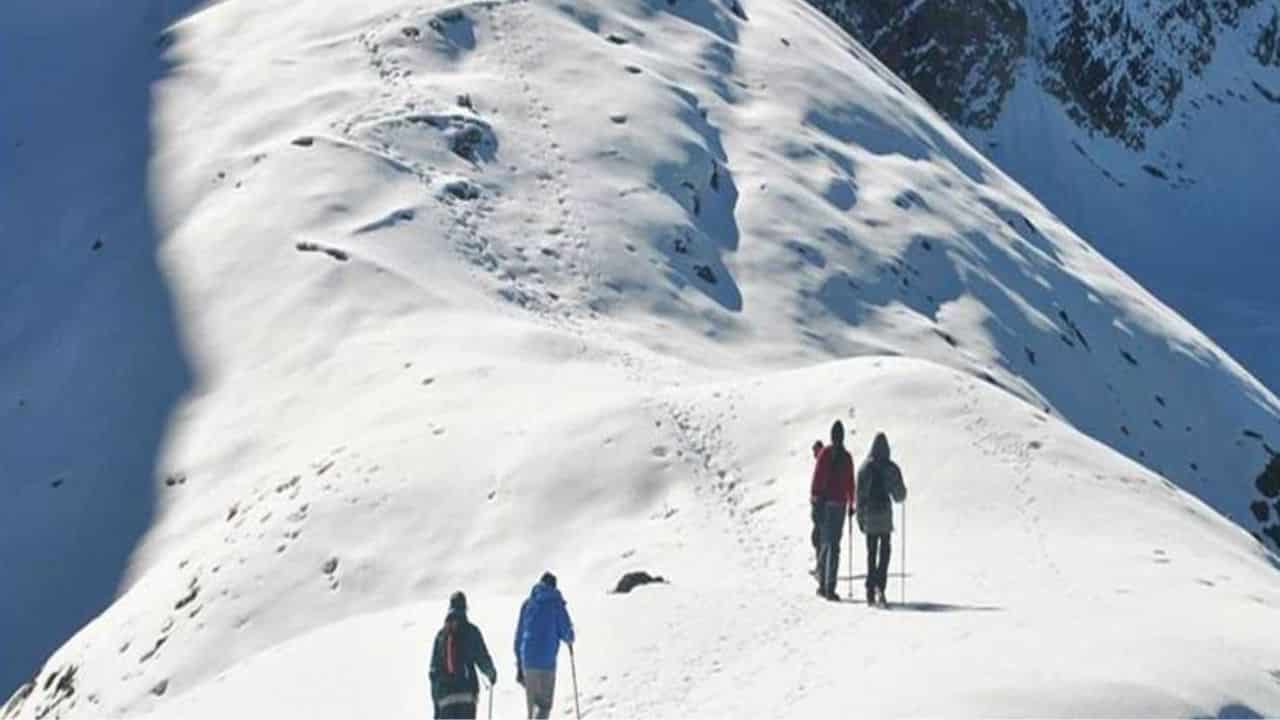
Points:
(1151, 127)
(90, 361)
(479, 288)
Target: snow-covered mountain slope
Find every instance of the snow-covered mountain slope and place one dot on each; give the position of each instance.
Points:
(1151, 128)
(476, 289)
(90, 361)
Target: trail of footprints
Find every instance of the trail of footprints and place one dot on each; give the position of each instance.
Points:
(259, 527)
(534, 275)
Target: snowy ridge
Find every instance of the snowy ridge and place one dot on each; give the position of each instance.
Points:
(476, 289)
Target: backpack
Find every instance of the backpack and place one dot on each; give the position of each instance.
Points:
(878, 499)
(454, 669)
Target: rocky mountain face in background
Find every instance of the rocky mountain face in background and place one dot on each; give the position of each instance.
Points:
(1118, 67)
(959, 54)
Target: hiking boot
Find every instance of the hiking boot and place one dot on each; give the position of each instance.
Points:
(871, 597)
(884, 603)
(833, 597)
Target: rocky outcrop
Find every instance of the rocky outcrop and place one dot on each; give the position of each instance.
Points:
(1118, 67)
(959, 54)
(1267, 49)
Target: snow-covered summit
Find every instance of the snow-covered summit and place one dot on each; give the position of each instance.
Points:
(470, 290)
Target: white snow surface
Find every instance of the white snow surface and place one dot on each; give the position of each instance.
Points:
(598, 272)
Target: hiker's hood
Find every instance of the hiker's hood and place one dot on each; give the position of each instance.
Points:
(457, 615)
(880, 448)
(544, 593)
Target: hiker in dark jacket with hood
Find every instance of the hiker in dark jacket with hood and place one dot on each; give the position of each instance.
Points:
(879, 486)
(459, 650)
(544, 624)
(833, 493)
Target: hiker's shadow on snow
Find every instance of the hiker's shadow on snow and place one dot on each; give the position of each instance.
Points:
(929, 607)
(934, 607)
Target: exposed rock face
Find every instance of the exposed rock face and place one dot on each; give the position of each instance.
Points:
(1118, 66)
(959, 54)
(1267, 49)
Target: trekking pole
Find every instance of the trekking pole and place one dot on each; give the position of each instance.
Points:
(573, 666)
(904, 553)
(490, 701)
(850, 519)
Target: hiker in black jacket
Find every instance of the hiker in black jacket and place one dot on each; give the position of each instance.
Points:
(459, 650)
(879, 486)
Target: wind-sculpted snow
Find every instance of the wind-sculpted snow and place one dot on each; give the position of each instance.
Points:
(481, 289)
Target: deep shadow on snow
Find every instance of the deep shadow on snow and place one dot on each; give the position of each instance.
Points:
(91, 362)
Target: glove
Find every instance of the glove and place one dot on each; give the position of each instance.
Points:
(520, 676)
(493, 678)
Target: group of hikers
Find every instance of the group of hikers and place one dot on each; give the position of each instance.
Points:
(835, 493)
(460, 651)
(460, 655)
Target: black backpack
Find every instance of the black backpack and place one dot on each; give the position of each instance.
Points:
(878, 499)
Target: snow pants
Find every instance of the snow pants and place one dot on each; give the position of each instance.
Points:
(457, 707)
(815, 516)
(539, 692)
(878, 551)
(829, 552)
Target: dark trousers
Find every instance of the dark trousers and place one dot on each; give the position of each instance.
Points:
(829, 551)
(878, 561)
(815, 537)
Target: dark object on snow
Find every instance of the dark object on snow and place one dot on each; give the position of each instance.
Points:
(633, 580)
(334, 253)
(304, 141)
(462, 190)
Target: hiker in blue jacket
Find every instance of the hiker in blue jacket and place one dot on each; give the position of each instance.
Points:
(544, 623)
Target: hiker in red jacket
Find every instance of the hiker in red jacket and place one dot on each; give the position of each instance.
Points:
(834, 492)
